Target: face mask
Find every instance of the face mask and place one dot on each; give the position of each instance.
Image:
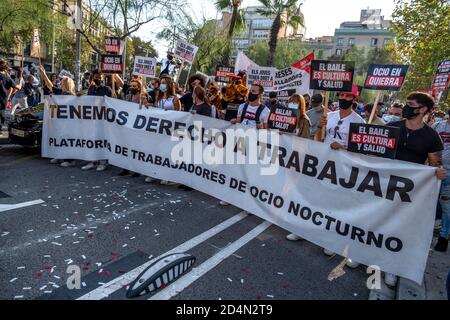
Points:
(388, 118)
(345, 104)
(151, 88)
(410, 112)
(134, 91)
(163, 87)
(252, 97)
(292, 106)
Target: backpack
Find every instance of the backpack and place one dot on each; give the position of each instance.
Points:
(257, 114)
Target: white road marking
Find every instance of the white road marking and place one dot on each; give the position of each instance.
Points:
(106, 290)
(196, 273)
(7, 207)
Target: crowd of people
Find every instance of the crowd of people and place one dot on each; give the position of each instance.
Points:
(424, 137)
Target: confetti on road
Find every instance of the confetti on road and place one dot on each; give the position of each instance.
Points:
(13, 279)
(43, 287)
(20, 268)
(18, 297)
(230, 280)
(270, 296)
(26, 288)
(57, 244)
(280, 273)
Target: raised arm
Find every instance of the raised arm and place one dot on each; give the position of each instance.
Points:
(47, 81)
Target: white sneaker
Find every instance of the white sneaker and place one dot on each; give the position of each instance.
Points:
(101, 167)
(67, 164)
(328, 252)
(390, 279)
(293, 237)
(149, 179)
(352, 264)
(56, 161)
(89, 166)
(223, 203)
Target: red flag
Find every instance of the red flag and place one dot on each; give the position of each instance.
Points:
(305, 63)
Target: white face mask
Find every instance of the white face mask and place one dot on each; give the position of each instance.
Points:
(292, 105)
(390, 118)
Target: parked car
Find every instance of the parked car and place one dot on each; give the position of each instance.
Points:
(25, 127)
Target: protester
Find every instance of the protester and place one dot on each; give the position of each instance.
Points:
(166, 99)
(394, 114)
(7, 88)
(272, 102)
(315, 113)
(31, 91)
(55, 81)
(303, 122)
(187, 101)
(443, 129)
(201, 105)
(419, 143)
(337, 132)
(168, 65)
(376, 119)
(253, 113)
(307, 98)
(67, 88)
(99, 89)
(153, 90)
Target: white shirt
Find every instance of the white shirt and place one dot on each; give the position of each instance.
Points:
(338, 129)
(166, 104)
(249, 119)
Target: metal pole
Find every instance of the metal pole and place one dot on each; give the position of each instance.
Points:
(53, 49)
(78, 14)
(125, 31)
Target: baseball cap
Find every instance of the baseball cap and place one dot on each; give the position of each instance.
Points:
(317, 98)
(354, 92)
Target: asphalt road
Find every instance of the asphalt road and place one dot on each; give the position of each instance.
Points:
(109, 226)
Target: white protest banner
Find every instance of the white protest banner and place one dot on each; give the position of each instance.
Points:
(36, 44)
(144, 67)
(185, 51)
(65, 73)
(243, 62)
(375, 211)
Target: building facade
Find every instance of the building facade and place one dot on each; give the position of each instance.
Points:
(257, 28)
(370, 32)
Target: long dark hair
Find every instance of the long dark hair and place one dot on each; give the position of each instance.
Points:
(200, 93)
(170, 89)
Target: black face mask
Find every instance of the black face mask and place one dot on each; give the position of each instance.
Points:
(410, 112)
(252, 97)
(134, 91)
(98, 82)
(345, 104)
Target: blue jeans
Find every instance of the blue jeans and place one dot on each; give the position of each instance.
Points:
(445, 204)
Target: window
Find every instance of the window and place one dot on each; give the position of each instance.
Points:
(340, 42)
(261, 34)
(338, 52)
(351, 42)
(374, 42)
(262, 23)
(386, 41)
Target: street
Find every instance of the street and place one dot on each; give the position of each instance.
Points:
(109, 226)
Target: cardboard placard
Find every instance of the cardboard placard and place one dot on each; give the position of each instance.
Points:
(223, 74)
(111, 63)
(283, 119)
(186, 51)
(282, 96)
(385, 77)
(381, 141)
(112, 45)
(442, 78)
(332, 75)
(144, 66)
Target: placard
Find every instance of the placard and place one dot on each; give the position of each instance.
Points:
(332, 75)
(283, 119)
(186, 51)
(381, 141)
(385, 77)
(442, 78)
(144, 66)
(111, 63)
(223, 74)
(112, 45)
(264, 76)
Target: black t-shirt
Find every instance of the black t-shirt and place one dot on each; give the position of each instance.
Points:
(6, 83)
(202, 109)
(414, 146)
(187, 101)
(100, 91)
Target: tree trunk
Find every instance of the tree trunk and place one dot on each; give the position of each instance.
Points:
(226, 56)
(274, 39)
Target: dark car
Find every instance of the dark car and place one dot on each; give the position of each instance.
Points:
(26, 127)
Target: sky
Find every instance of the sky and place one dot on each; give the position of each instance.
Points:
(322, 17)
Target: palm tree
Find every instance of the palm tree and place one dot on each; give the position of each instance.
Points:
(286, 13)
(237, 21)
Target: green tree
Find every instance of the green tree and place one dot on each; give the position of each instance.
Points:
(287, 53)
(423, 37)
(286, 13)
